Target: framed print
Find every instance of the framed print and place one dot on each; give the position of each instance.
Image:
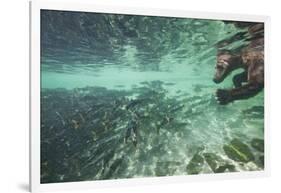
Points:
(123, 96)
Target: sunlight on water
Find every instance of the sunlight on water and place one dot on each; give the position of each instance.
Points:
(133, 96)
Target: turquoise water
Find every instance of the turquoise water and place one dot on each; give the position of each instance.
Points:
(133, 96)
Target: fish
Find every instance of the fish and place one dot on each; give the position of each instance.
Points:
(166, 120)
(119, 86)
(61, 118)
(177, 108)
(113, 169)
(136, 102)
(169, 83)
(132, 132)
(75, 124)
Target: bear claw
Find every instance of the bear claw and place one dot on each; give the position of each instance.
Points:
(223, 96)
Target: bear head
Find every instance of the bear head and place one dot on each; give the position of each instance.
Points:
(226, 63)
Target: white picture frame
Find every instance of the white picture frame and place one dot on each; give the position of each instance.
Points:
(36, 6)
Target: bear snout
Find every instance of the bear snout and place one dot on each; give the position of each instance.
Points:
(216, 80)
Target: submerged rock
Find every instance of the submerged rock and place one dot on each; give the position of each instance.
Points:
(195, 165)
(217, 164)
(224, 168)
(258, 144)
(212, 160)
(238, 151)
(261, 159)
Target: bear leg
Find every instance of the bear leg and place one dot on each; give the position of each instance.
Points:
(238, 79)
(244, 92)
(223, 96)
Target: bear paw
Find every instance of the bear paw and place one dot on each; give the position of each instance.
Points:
(223, 96)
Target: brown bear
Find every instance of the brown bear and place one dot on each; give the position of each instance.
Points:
(251, 58)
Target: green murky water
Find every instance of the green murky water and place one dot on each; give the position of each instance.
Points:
(132, 96)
